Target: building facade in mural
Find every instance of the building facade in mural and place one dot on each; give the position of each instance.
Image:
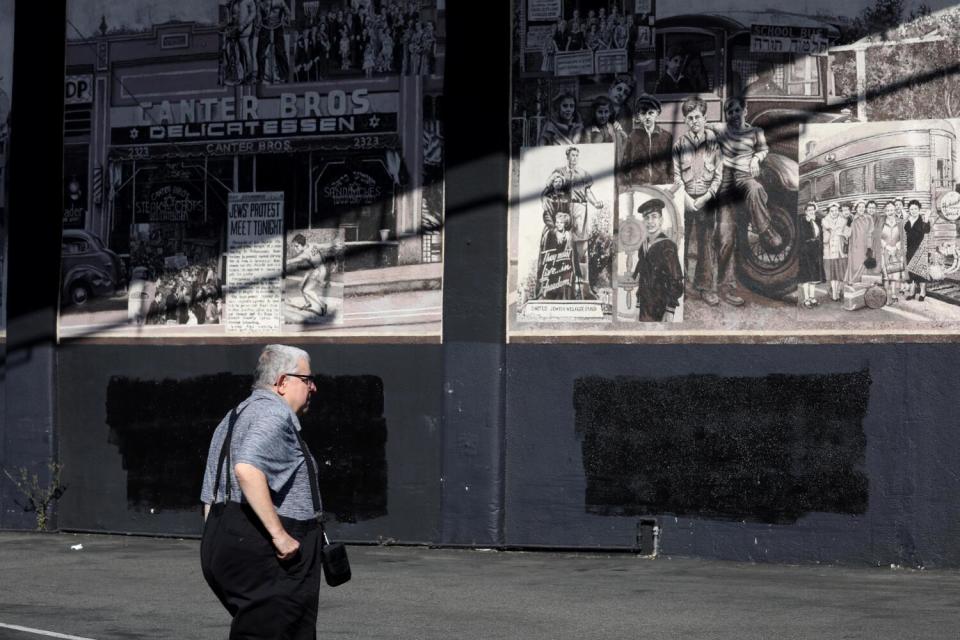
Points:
(751, 80)
(165, 122)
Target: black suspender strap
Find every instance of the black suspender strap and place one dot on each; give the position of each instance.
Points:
(225, 454)
(314, 491)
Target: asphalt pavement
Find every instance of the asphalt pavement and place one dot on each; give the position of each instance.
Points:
(135, 588)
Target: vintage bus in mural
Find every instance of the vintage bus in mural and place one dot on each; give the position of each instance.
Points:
(878, 162)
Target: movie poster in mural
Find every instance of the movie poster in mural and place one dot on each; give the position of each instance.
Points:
(565, 235)
(157, 150)
(706, 112)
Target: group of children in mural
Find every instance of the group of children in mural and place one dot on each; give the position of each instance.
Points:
(259, 44)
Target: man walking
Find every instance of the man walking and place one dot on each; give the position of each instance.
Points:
(261, 540)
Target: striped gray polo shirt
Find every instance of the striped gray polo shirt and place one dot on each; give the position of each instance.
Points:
(265, 436)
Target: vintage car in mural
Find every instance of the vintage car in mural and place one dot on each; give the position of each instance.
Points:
(777, 62)
(87, 268)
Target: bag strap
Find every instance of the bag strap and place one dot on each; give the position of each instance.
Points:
(311, 472)
(225, 454)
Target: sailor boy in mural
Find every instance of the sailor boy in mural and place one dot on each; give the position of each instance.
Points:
(565, 233)
(650, 240)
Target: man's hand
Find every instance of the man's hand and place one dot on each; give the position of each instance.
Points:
(667, 316)
(702, 200)
(755, 168)
(286, 545)
(599, 204)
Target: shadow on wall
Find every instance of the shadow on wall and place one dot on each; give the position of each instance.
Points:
(768, 449)
(163, 428)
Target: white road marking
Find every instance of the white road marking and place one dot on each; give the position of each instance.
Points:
(41, 632)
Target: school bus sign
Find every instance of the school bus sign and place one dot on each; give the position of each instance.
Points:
(769, 38)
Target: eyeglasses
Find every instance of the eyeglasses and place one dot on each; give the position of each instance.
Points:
(305, 379)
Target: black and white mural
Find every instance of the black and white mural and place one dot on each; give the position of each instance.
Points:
(715, 109)
(180, 116)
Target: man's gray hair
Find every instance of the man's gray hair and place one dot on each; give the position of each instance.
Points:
(275, 360)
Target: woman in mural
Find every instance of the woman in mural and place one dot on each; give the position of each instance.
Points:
(891, 252)
(556, 268)
(565, 126)
(386, 52)
(619, 94)
(602, 129)
(835, 233)
(861, 243)
(811, 256)
(916, 229)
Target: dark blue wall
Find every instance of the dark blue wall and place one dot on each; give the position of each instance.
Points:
(482, 446)
(912, 448)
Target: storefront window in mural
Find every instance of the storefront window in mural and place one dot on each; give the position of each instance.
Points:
(161, 138)
(723, 117)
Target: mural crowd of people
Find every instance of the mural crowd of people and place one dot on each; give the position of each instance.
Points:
(264, 43)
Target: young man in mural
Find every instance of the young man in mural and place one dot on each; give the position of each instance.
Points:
(648, 153)
(578, 182)
(744, 149)
(310, 257)
(673, 80)
(261, 539)
(698, 170)
(658, 274)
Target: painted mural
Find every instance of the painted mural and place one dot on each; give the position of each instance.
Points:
(181, 116)
(712, 111)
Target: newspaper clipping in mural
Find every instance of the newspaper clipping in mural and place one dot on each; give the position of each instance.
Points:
(291, 184)
(775, 174)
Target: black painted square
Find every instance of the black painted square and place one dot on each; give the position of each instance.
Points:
(767, 449)
(163, 428)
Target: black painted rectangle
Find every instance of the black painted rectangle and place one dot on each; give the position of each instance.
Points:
(162, 429)
(767, 449)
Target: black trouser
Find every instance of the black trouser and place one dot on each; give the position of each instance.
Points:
(267, 598)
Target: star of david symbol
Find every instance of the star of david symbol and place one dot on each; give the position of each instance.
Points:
(134, 134)
(374, 121)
